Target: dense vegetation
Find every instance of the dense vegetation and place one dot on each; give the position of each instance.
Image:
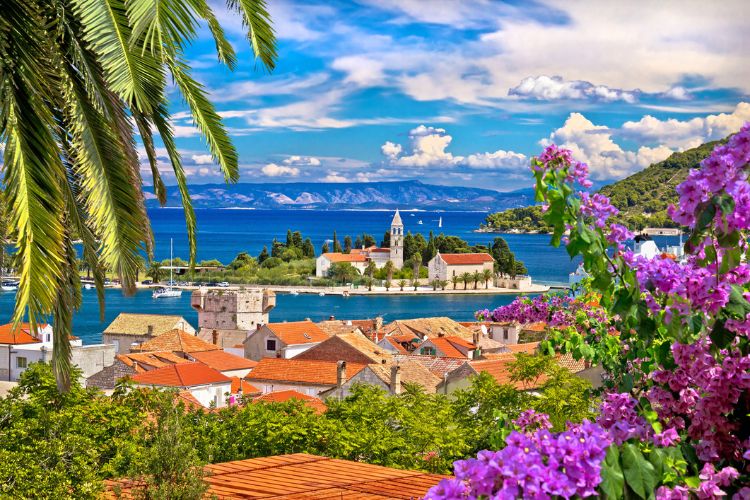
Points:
(642, 198)
(64, 445)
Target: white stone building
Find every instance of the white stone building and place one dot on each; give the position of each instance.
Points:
(444, 266)
(283, 340)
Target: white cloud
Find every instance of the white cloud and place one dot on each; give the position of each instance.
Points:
(678, 93)
(360, 71)
(274, 170)
(683, 134)
(202, 159)
(549, 88)
(301, 161)
(428, 148)
(334, 177)
(593, 144)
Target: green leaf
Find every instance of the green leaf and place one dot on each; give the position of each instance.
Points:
(738, 307)
(720, 335)
(640, 474)
(613, 481)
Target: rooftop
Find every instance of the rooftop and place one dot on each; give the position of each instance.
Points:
(248, 389)
(338, 326)
(180, 375)
(305, 476)
(137, 324)
(499, 369)
(427, 327)
(178, 341)
(298, 332)
(412, 372)
(20, 336)
(345, 257)
(449, 346)
(284, 396)
(300, 371)
(222, 361)
(466, 259)
(158, 359)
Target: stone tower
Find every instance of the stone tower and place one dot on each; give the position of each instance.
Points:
(226, 317)
(397, 241)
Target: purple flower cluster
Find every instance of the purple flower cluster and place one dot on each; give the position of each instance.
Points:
(710, 487)
(620, 418)
(700, 394)
(531, 421)
(557, 158)
(598, 207)
(724, 172)
(541, 465)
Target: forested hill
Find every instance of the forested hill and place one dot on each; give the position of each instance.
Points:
(642, 198)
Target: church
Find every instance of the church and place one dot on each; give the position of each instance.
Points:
(359, 258)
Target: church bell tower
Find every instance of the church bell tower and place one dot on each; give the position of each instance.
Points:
(397, 241)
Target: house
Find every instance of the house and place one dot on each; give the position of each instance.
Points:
(498, 368)
(205, 384)
(444, 266)
(22, 346)
(350, 347)
(324, 262)
(423, 328)
(177, 341)
(400, 344)
(125, 365)
(129, 328)
(283, 340)
(301, 476)
(314, 403)
(228, 364)
(334, 326)
(436, 365)
(391, 377)
(226, 317)
(448, 347)
(309, 377)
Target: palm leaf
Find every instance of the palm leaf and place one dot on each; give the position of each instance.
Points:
(257, 20)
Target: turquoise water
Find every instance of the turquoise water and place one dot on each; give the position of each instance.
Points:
(86, 322)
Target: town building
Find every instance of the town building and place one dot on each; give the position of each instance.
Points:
(22, 346)
(224, 362)
(444, 266)
(129, 329)
(226, 317)
(423, 328)
(309, 377)
(299, 476)
(400, 344)
(176, 341)
(210, 387)
(392, 377)
(448, 347)
(359, 258)
(350, 347)
(312, 402)
(283, 340)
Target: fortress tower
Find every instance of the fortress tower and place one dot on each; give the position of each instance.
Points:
(397, 241)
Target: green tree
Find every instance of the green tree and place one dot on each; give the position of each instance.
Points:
(358, 242)
(347, 244)
(324, 248)
(371, 268)
(466, 279)
(455, 280)
(289, 240)
(263, 255)
(244, 259)
(336, 244)
(342, 272)
(402, 284)
(486, 277)
(368, 240)
(389, 267)
(80, 80)
(443, 284)
(368, 283)
(297, 239)
(308, 250)
(155, 271)
(476, 277)
(387, 285)
(386, 243)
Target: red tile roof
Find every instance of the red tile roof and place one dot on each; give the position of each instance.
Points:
(180, 375)
(177, 341)
(157, 359)
(298, 332)
(20, 336)
(187, 399)
(283, 396)
(528, 347)
(222, 360)
(300, 371)
(345, 257)
(447, 345)
(248, 389)
(301, 476)
(466, 259)
(499, 369)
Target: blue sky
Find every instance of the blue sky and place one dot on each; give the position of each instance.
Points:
(464, 92)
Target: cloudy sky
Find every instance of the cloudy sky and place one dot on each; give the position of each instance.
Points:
(463, 92)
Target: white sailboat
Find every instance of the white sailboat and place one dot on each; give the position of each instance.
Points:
(440, 222)
(168, 292)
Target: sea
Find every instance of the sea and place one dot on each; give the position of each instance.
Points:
(223, 233)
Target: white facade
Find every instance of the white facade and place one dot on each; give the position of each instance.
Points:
(267, 386)
(439, 269)
(15, 358)
(397, 241)
(232, 309)
(207, 395)
(263, 343)
(324, 262)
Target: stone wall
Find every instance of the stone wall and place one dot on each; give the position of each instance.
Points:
(92, 359)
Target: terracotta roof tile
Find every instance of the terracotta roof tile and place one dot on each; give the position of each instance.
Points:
(437, 365)
(177, 341)
(427, 327)
(464, 259)
(412, 372)
(283, 396)
(393, 340)
(180, 375)
(187, 398)
(337, 327)
(137, 324)
(248, 389)
(538, 327)
(222, 360)
(20, 336)
(447, 345)
(156, 359)
(499, 369)
(345, 257)
(528, 347)
(299, 371)
(298, 332)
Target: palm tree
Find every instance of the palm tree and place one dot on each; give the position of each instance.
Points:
(368, 282)
(155, 272)
(486, 276)
(476, 278)
(402, 284)
(443, 284)
(389, 268)
(466, 279)
(456, 280)
(80, 78)
(371, 268)
(435, 284)
(387, 285)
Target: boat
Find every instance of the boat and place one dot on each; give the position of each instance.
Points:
(294, 292)
(440, 222)
(419, 221)
(322, 294)
(9, 286)
(168, 292)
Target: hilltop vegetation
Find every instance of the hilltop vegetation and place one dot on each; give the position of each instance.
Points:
(642, 198)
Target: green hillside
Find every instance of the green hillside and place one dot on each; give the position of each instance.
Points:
(642, 198)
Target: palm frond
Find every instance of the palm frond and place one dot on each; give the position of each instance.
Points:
(257, 20)
(144, 129)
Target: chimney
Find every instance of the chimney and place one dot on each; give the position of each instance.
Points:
(378, 323)
(340, 373)
(215, 337)
(475, 339)
(396, 379)
(331, 317)
(150, 330)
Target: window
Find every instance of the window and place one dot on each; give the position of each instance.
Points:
(505, 334)
(428, 351)
(270, 345)
(21, 362)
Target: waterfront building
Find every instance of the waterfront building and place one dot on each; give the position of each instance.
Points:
(129, 329)
(177, 341)
(226, 317)
(324, 262)
(444, 266)
(283, 340)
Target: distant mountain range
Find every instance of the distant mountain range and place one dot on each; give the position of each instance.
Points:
(339, 196)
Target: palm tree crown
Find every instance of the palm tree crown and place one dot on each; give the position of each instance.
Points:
(78, 80)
